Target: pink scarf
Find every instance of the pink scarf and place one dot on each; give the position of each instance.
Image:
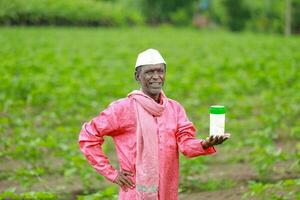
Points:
(147, 174)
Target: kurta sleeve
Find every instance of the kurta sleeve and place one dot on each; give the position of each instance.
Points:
(91, 140)
(188, 144)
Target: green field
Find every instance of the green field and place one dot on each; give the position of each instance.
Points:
(54, 79)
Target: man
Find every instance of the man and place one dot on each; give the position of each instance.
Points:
(148, 130)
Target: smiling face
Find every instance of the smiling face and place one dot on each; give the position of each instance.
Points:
(151, 79)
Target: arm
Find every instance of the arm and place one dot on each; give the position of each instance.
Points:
(91, 140)
(188, 144)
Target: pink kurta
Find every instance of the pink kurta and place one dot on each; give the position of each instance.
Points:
(175, 132)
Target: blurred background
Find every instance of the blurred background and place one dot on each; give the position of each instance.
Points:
(63, 62)
(267, 16)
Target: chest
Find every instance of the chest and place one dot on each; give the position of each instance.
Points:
(166, 128)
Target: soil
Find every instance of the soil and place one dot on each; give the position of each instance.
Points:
(232, 194)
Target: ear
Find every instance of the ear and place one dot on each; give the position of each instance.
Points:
(136, 76)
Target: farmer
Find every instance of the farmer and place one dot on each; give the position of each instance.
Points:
(148, 130)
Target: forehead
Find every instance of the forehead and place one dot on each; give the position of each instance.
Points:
(153, 67)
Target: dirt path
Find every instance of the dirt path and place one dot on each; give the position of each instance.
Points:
(230, 194)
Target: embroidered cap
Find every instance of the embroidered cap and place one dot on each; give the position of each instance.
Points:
(149, 57)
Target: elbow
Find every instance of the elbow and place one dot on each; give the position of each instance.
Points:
(82, 146)
(82, 139)
(188, 154)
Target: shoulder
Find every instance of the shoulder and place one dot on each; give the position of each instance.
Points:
(178, 110)
(117, 108)
(121, 103)
(175, 104)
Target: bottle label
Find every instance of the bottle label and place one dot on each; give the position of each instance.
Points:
(217, 124)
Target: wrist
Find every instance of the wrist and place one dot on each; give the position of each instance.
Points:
(205, 144)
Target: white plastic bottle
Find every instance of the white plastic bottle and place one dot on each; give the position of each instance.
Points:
(217, 120)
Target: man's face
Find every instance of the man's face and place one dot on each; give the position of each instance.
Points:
(151, 78)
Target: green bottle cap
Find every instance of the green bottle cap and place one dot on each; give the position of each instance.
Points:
(217, 109)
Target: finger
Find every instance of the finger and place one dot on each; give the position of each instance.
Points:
(128, 173)
(219, 139)
(211, 138)
(224, 139)
(120, 183)
(127, 183)
(227, 135)
(131, 183)
(124, 188)
(214, 141)
(207, 140)
(117, 181)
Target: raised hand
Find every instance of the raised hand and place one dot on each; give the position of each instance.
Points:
(124, 181)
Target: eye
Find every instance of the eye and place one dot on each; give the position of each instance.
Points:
(161, 71)
(149, 73)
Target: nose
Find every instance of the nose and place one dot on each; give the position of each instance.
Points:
(155, 75)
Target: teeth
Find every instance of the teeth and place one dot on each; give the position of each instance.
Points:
(155, 84)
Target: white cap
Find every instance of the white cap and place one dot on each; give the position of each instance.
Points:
(149, 57)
